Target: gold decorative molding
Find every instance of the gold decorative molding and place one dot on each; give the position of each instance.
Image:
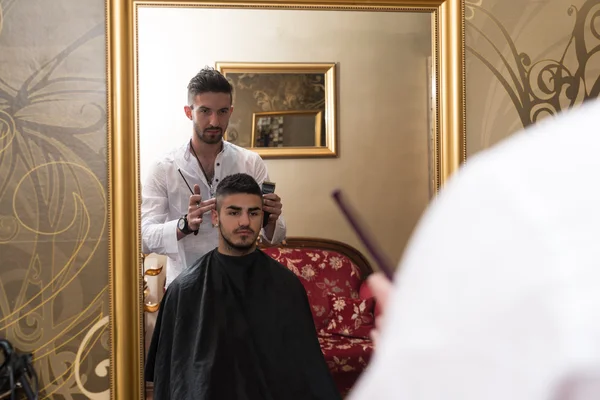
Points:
(153, 271)
(126, 317)
(126, 290)
(451, 86)
(149, 306)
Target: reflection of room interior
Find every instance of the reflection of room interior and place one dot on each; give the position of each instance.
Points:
(382, 108)
(270, 132)
(267, 96)
(382, 112)
(287, 130)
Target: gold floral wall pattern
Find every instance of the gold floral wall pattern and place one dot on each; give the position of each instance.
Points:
(53, 202)
(543, 57)
(271, 92)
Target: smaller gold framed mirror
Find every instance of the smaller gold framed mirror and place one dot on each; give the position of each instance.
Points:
(287, 129)
(283, 110)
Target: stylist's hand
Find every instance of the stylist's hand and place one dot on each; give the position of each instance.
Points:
(197, 208)
(272, 204)
(381, 287)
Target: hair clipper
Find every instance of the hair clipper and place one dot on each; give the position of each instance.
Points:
(267, 187)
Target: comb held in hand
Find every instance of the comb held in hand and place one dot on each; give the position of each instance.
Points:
(363, 235)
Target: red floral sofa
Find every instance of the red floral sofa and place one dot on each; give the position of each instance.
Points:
(343, 310)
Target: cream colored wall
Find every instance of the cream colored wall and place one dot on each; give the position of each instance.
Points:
(382, 108)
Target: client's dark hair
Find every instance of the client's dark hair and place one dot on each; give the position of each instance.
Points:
(237, 183)
(208, 80)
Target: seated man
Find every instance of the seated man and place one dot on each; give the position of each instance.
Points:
(237, 324)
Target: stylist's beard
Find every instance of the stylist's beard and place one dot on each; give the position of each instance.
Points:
(209, 138)
(242, 247)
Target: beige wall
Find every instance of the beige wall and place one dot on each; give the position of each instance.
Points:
(382, 107)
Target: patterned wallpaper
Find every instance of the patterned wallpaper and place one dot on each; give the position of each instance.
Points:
(53, 211)
(525, 60)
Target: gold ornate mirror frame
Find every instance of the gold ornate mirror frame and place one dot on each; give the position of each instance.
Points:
(126, 312)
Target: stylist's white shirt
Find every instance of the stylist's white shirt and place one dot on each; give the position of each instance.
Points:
(498, 295)
(165, 198)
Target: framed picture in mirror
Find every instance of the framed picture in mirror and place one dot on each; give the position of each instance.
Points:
(298, 128)
(297, 93)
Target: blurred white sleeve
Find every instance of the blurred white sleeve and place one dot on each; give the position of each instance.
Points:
(480, 308)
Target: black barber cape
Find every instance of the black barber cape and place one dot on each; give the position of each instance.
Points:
(237, 328)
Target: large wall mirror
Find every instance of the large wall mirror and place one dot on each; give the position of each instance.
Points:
(367, 97)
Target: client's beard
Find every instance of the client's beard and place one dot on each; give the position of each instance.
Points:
(240, 248)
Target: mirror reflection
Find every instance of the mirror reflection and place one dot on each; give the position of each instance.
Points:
(268, 96)
(287, 128)
(252, 275)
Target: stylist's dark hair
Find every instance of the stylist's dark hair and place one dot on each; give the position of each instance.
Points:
(208, 80)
